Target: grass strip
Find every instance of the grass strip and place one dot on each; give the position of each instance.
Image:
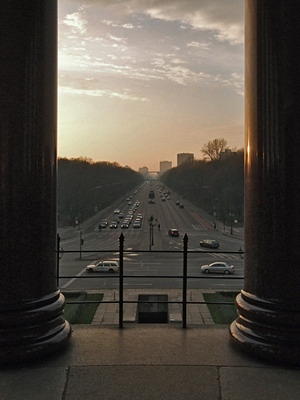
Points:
(221, 313)
(81, 313)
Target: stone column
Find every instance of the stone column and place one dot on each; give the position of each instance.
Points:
(31, 322)
(268, 325)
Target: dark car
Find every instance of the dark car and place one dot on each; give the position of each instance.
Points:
(212, 244)
(173, 232)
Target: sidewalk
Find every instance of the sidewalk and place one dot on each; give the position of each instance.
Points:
(197, 314)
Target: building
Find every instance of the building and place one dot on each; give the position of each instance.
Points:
(143, 171)
(185, 158)
(164, 166)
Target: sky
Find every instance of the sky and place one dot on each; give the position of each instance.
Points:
(143, 80)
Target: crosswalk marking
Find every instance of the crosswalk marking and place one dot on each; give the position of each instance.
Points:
(228, 256)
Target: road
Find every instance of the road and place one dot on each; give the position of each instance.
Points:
(138, 260)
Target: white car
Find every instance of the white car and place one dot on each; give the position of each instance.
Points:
(218, 268)
(103, 266)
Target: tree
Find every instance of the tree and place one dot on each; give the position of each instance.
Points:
(214, 148)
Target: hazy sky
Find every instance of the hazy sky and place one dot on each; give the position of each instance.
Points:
(143, 80)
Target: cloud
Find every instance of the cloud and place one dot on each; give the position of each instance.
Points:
(235, 80)
(125, 95)
(225, 17)
(128, 26)
(199, 45)
(77, 21)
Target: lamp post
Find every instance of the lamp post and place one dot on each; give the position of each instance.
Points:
(231, 222)
(215, 224)
(152, 222)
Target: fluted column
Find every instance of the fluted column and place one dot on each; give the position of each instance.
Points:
(31, 321)
(269, 306)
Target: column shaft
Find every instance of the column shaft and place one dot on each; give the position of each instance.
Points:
(269, 307)
(31, 321)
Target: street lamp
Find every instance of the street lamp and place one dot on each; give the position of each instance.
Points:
(152, 222)
(215, 214)
(231, 222)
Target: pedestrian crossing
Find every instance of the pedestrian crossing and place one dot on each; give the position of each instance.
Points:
(221, 256)
(226, 256)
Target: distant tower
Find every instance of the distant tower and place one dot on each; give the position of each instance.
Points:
(185, 158)
(164, 166)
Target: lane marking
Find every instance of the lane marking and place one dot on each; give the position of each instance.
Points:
(73, 279)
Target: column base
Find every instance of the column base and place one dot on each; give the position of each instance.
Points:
(32, 330)
(269, 330)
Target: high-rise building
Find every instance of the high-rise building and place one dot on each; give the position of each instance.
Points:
(164, 166)
(144, 171)
(185, 158)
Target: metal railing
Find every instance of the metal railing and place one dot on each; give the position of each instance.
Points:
(184, 302)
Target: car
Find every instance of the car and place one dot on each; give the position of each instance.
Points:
(137, 224)
(121, 215)
(116, 211)
(181, 205)
(124, 225)
(177, 203)
(113, 225)
(173, 232)
(103, 224)
(103, 266)
(212, 244)
(218, 268)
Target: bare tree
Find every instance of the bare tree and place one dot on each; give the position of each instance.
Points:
(214, 148)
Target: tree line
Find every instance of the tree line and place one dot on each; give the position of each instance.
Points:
(216, 186)
(84, 187)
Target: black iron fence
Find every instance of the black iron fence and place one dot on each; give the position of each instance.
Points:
(121, 276)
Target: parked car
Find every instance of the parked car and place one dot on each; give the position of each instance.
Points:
(212, 244)
(113, 225)
(173, 232)
(218, 268)
(103, 266)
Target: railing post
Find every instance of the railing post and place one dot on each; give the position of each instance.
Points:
(121, 252)
(184, 284)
